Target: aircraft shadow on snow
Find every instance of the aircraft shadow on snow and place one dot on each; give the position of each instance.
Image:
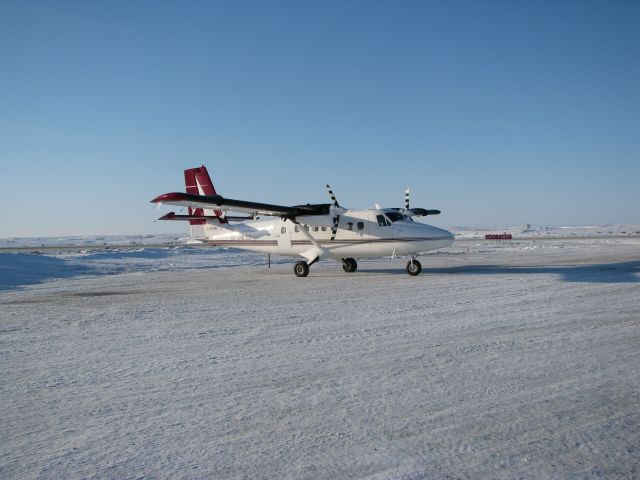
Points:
(27, 269)
(623, 272)
(19, 269)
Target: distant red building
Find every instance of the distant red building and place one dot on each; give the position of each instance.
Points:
(498, 236)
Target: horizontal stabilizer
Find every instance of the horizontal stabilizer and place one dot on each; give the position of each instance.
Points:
(173, 216)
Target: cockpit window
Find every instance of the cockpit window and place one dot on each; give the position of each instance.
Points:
(395, 216)
(382, 221)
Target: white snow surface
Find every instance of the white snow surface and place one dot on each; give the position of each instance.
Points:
(92, 240)
(550, 232)
(501, 360)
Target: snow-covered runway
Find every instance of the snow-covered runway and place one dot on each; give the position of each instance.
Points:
(517, 360)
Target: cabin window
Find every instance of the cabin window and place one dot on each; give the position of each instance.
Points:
(360, 225)
(324, 229)
(283, 229)
(315, 229)
(297, 228)
(349, 225)
(382, 221)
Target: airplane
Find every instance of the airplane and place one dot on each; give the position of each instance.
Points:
(310, 231)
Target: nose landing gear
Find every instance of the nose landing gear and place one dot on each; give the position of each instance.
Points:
(349, 265)
(414, 267)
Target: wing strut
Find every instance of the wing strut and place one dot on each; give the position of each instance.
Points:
(314, 253)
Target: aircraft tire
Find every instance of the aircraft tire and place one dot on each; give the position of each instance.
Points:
(414, 267)
(301, 269)
(349, 265)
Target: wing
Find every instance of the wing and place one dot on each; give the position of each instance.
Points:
(180, 199)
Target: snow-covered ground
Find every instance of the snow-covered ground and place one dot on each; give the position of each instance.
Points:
(502, 360)
(551, 232)
(92, 241)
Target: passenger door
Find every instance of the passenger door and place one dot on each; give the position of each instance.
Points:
(284, 239)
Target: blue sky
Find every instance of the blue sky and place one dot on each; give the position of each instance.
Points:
(497, 113)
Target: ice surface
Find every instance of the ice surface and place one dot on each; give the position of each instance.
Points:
(502, 360)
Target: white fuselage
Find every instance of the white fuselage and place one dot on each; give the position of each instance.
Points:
(361, 233)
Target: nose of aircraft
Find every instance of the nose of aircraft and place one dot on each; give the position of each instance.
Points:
(430, 233)
(440, 234)
(444, 234)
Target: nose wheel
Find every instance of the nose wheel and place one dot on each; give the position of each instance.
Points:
(414, 267)
(349, 265)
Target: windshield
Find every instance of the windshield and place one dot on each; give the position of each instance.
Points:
(395, 216)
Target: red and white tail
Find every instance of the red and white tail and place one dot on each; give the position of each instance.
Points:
(198, 182)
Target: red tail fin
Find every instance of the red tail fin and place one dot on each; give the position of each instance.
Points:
(198, 182)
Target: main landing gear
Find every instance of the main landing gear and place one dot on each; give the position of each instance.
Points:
(301, 269)
(414, 267)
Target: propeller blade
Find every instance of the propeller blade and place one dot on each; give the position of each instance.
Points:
(336, 218)
(334, 228)
(333, 197)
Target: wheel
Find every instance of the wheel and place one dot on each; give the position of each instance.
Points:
(414, 268)
(349, 265)
(301, 269)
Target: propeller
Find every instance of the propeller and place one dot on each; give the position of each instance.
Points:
(407, 191)
(336, 218)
